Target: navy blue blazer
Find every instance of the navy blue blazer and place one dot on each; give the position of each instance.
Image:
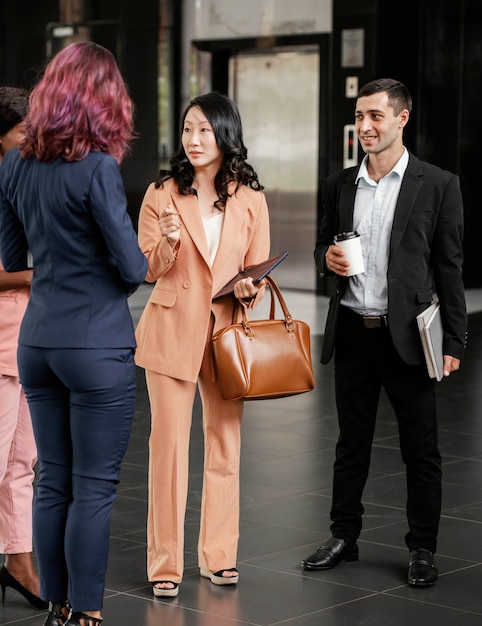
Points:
(425, 255)
(72, 217)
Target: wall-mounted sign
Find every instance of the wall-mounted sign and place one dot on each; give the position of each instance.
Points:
(353, 47)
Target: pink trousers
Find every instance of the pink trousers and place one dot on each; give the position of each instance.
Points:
(18, 455)
(171, 413)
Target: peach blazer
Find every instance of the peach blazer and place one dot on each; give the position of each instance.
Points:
(172, 331)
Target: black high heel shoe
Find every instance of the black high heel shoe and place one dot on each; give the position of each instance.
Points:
(56, 616)
(7, 580)
(88, 620)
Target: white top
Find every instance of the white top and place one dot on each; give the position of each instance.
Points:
(213, 227)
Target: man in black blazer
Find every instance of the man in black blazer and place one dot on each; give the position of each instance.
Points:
(409, 215)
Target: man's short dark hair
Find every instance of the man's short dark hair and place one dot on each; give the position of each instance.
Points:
(399, 97)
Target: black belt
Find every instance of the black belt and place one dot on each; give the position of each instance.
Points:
(375, 321)
(369, 321)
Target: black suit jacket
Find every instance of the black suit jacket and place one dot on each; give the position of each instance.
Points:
(425, 255)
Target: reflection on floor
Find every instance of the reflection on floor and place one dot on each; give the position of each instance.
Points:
(285, 500)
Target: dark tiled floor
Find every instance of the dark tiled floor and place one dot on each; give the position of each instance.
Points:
(286, 482)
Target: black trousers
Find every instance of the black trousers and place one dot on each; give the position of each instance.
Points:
(366, 361)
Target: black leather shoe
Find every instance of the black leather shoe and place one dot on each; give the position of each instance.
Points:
(329, 555)
(421, 570)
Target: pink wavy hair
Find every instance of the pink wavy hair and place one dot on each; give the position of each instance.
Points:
(80, 104)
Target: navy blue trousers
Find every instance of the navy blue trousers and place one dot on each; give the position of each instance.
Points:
(366, 361)
(82, 403)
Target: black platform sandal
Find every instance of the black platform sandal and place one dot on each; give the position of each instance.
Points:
(165, 592)
(87, 620)
(58, 614)
(217, 578)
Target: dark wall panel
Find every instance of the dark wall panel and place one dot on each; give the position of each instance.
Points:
(23, 54)
(22, 39)
(470, 138)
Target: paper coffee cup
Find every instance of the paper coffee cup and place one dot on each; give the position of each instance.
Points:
(350, 243)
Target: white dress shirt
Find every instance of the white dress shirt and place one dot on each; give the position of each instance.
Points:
(367, 293)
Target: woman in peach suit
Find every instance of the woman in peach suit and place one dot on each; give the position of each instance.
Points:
(199, 224)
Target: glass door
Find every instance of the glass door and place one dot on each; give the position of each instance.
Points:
(277, 93)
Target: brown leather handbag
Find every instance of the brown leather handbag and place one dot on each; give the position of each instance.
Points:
(263, 359)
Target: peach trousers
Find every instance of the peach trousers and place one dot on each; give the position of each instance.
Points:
(18, 455)
(172, 404)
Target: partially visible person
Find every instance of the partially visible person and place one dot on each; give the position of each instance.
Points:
(409, 215)
(199, 225)
(18, 453)
(62, 197)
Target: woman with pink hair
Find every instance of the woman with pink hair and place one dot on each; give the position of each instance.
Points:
(62, 198)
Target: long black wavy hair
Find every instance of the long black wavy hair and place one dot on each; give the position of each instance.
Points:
(223, 115)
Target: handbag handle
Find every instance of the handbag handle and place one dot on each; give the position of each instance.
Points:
(274, 290)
